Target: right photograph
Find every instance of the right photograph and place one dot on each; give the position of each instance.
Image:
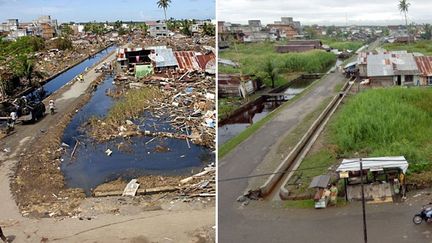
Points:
(324, 121)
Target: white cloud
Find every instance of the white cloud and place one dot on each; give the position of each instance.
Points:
(324, 12)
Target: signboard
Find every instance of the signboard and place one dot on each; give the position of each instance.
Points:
(343, 174)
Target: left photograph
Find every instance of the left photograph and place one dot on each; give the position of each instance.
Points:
(107, 121)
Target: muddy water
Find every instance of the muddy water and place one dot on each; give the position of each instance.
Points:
(258, 110)
(130, 158)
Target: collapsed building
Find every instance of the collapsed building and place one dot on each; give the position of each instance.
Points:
(143, 62)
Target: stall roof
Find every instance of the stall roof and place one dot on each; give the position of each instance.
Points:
(350, 64)
(321, 181)
(375, 164)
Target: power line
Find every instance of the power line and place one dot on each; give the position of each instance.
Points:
(356, 161)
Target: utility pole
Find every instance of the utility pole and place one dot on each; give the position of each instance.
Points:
(363, 202)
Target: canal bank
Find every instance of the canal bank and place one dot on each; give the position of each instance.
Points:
(256, 110)
(73, 70)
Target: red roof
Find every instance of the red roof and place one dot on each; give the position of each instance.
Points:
(424, 65)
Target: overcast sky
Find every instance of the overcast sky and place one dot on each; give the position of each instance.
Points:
(325, 12)
(104, 10)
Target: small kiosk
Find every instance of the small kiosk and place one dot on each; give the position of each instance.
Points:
(322, 194)
(383, 178)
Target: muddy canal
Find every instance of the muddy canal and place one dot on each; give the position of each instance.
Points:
(258, 109)
(130, 158)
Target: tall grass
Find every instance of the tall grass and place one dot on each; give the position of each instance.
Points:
(387, 122)
(253, 59)
(423, 46)
(132, 104)
(342, 45)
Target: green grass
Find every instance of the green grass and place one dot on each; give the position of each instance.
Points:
(378, 122)
(253, 58)
(342, 45)
(307, 203)
(225, 148)
(227, 105)
(422, 46)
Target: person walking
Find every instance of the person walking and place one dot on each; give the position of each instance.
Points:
(2, 236)
(51, 106)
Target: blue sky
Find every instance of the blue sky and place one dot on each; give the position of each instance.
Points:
(108, 10)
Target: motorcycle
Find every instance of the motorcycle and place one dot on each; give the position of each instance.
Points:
(423, 215)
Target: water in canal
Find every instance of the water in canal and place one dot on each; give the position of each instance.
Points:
(258, 110)
(91, 166)
(59, 81)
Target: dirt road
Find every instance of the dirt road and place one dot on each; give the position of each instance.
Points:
(174, 222)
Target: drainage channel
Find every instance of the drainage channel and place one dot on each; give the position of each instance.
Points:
(274, 188)
(130, 158)
(63, 78)
(258, 109)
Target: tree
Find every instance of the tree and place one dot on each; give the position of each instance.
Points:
(66, 30)
(271, 70)
(63, 43)
(185, 27)
(427, 32)
(23, 67)
(209, 29)
(164, 4)
(403, 8)
(310, 32)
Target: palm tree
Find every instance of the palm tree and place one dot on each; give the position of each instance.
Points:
(271, 70)
(403, 7)
(164, 4)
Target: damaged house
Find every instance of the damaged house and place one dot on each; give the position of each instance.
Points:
(143, 62)
(136, 61)
(236, 85)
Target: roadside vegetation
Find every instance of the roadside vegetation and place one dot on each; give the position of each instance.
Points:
(422, 46)
(378, 122)
(262, 61)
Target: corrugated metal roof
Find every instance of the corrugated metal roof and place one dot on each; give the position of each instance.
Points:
(424, 65)
(186, 60)
(164, 57)
(204, 59)
(404, 64)
(389, 64)
(377, 163)
(377, 65)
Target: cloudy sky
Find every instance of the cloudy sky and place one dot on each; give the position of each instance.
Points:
(104, 10)
(376, 12)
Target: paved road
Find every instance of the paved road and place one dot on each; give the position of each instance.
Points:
(266, 221)
(243, 160)
(388, 222)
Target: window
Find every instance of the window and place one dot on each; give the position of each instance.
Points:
(157, 28)
(429, 80)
